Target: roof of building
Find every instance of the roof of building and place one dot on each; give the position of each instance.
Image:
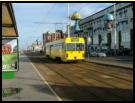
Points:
(98, 12)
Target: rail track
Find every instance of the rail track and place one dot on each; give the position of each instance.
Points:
(106, 70)
(86, 81)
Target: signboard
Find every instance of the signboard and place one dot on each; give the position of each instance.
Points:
(75, 40)
(10, 58)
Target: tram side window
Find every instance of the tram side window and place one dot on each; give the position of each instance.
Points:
(63, 46)
(60, 46)
(55, 46)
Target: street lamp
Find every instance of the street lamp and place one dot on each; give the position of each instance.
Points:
(108, 20)
(88, 43)
(115, 34)
(68, 21)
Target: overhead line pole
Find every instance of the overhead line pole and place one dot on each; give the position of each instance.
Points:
(115, 32)
(68, 21)
(115, 23)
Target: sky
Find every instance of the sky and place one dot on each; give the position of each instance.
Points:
(28, 14)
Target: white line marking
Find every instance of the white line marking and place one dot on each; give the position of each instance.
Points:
(44, 80)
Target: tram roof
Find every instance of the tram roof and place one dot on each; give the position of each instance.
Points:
(9, 28)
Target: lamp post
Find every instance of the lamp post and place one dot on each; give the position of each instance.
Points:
(109, 19)
(115, 33)
(68, 21)
(88, 43)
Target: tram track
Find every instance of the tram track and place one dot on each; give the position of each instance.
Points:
(113, 68)
(66, 72)
(76, 89)
(102, 70)
(91, 92)
(101, 82)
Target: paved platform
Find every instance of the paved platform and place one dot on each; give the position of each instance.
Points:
(119, 61)
(32, 86)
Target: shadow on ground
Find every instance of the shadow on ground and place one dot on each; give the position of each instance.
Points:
(91, 93)
(6, 92)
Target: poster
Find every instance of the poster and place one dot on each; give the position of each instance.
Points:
(9, 54)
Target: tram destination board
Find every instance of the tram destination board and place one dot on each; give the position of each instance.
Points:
(75, 39)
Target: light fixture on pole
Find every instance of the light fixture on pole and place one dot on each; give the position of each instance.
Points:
(76, 17)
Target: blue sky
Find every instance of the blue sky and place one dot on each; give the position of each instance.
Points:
(28, 13)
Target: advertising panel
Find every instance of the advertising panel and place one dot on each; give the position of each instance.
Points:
(10, 58)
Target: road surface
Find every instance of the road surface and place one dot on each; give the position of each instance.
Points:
(85, 81)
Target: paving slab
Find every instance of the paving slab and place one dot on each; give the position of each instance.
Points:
(32, 87)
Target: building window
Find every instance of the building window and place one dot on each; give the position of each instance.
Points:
(103, 28)
(131, 20)
(90, 24)
(116, 15)
(125, 24)
(94, 23)
(125, 12)
(120, 14)
(99, 39)
(97, 22)
(125, 37)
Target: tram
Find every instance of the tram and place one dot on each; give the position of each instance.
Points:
(66, 49)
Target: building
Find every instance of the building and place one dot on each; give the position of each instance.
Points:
(93, 26)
